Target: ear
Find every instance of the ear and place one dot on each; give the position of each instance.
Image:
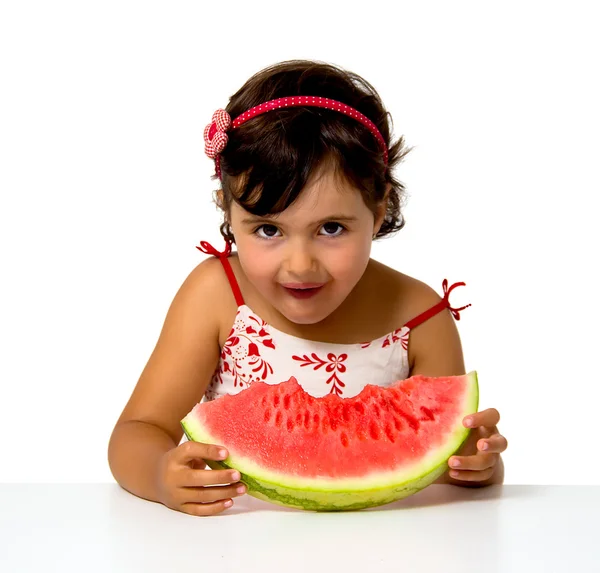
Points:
(381, 210)
(220, 198)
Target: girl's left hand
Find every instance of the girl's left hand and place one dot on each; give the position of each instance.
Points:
(482, 449)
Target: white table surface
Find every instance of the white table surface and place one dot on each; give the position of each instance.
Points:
(101, 527)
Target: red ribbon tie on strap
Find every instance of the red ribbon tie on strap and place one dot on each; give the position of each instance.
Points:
(447, 291)
(208, 249)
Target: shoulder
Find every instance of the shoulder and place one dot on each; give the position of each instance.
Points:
(206, 277)
(209, 281)
(194, 316)
(434, 347)
(194, 312)
(418, 296)
(202, 285)
(405, 296)
(199, 300)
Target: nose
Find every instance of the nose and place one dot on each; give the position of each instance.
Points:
(300, 260)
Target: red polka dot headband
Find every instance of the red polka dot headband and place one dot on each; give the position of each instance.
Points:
(215, 133)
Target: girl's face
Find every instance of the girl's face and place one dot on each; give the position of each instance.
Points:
(322, 240)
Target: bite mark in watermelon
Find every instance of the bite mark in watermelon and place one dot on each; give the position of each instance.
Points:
(334, 453)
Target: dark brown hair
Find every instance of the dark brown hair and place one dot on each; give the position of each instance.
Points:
(269, 159)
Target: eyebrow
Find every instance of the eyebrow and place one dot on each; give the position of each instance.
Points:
(266, 219)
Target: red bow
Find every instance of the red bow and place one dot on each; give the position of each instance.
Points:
(447, 291)
(208, 249)
(215, 136)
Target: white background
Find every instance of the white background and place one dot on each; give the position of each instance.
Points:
(105, 191)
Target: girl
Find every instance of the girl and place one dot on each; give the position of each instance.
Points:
(305, 164)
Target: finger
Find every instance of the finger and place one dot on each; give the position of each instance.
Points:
(204, 509)
(211, 494)
(488, 418)
(478, 462)
(190, 451)
(466, 475)
(199, 478)
(494, 444)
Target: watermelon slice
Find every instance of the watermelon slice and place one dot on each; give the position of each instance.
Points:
(334, 453)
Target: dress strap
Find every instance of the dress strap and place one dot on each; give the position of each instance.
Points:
(444, 303)
(222, 256)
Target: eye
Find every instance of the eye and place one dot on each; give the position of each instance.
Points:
(269, 230)
(332, 225)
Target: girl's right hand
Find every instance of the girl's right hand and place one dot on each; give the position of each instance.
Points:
(184, 485)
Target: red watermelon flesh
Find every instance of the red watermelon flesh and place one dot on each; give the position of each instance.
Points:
(338, 453)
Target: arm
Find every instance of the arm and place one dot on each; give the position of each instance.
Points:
(172, 382)
(435, 350)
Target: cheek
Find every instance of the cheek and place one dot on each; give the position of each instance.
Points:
(349, 261)
(255, 262)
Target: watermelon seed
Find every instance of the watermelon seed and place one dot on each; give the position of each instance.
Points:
(306, 419)
(276, 400)
(397, 423)
(346, 413)
(286, 401)
(290, 424)
(374, 430)
(377, 410)
(428, 413)
(359, 408)
(278, 419)
(316, 419)
(396, 406)
(344, 439)
(412, 421)
(333, 423)
(389, 433)
(267, 415)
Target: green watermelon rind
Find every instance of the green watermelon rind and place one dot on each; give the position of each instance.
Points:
(329, 500)
(348, 494)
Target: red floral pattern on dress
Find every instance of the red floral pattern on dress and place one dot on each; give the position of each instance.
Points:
(332, 364)
(393, 337)
(242, 346)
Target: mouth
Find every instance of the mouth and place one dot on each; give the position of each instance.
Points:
(306, 291)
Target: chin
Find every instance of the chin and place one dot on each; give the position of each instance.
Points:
(303, 319)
